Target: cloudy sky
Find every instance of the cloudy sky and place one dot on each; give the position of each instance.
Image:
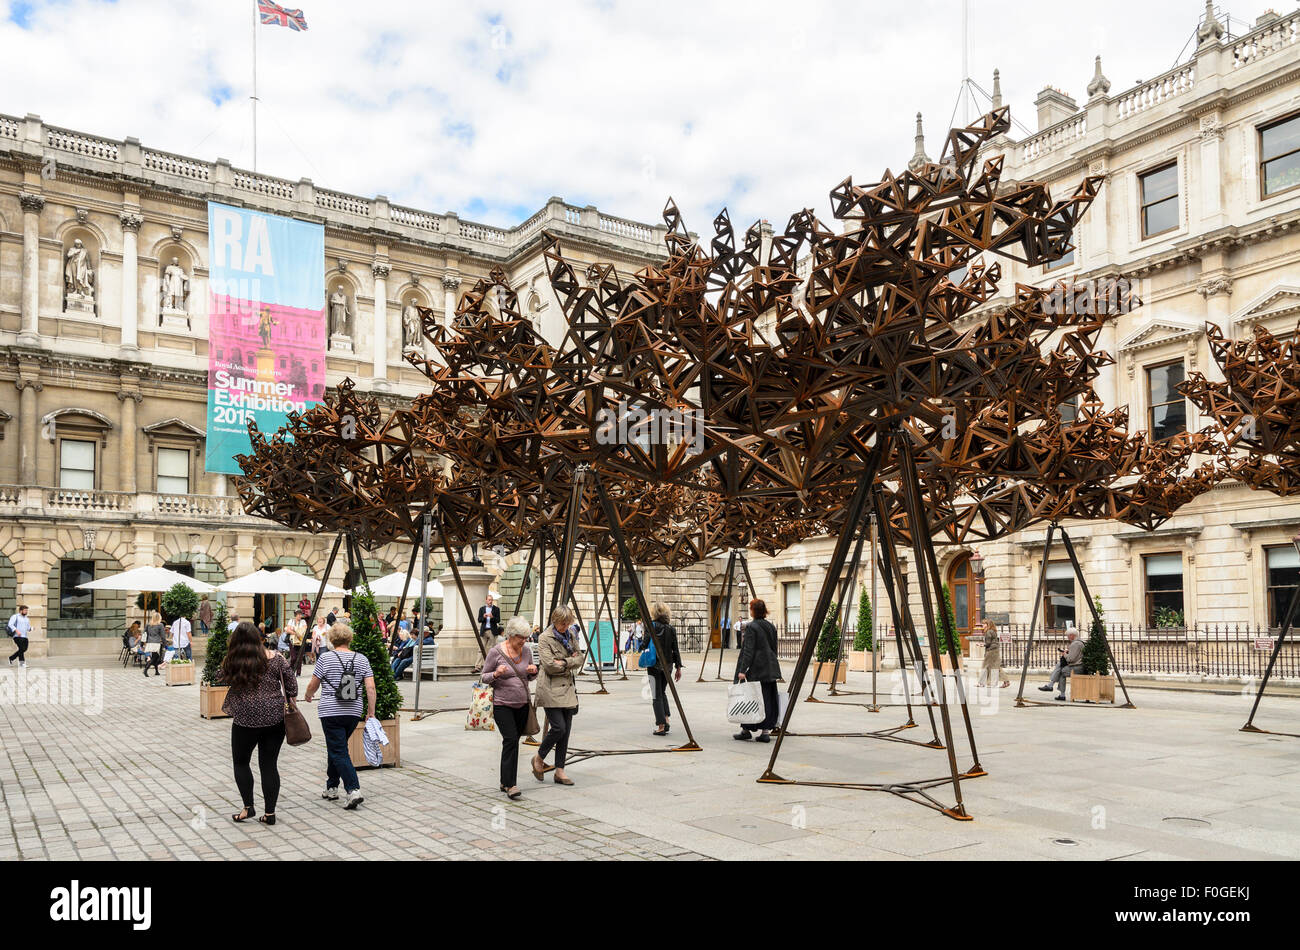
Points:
(488, 109)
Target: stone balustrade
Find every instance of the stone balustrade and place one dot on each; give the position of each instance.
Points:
(64, 502)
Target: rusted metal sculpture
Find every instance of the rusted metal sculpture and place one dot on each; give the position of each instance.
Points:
(1256, 416)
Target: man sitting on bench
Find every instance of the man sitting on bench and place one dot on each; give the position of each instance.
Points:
(1071, 662)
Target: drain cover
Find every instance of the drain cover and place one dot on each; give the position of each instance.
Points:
(1065, 842)
(1187, 822)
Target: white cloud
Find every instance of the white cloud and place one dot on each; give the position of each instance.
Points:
(489, 110)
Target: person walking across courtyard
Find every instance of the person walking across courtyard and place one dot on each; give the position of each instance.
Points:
(668, 662)
(343, 706)
(181, 631)
(558, 658)
(991, 668)
(260, 686)
(20, 631)
(758, 663)
(508, 669)
(205, 615)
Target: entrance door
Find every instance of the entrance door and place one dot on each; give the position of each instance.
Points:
(965, 599)
(715, 614)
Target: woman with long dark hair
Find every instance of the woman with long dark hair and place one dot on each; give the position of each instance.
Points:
(260, 686)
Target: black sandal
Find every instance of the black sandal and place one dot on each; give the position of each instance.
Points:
(267, 819)
(247, 813)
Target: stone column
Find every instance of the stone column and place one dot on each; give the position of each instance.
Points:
(131, 223)
(128, 465)
(27, 390)
(381, 272)
(1217, 291)
(31, 303)
(245, 549)
(457, 652)
(449, 283)
(33, 577)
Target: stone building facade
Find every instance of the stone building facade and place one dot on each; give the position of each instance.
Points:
(1201, 208)
(104, 355)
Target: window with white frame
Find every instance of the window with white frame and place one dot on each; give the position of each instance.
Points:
(1283, 574)
(790, 596)
(77, 464)
(173, 471)
(1166, 407)
(1279, 156)
(1158, 191)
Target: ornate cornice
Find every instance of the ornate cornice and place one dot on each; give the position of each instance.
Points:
(123, 396)
(450, 281)
(1214, 286)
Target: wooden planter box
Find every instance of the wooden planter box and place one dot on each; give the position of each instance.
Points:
(211, 699)
(179, 674)
(827, 670)
(1092, 688)
(860, 661)
(392, 751)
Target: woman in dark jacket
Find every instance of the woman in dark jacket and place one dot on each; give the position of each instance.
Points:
(758, 663)
(667, 658)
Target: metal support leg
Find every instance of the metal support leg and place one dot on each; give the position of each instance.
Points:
(1033, 616)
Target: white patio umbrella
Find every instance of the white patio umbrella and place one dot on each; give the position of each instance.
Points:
(390, 585)
(147, 580)
(283, 581)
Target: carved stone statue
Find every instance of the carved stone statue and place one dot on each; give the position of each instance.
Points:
(340, 320)
(78, 275)
(411, 332)
(175, 287)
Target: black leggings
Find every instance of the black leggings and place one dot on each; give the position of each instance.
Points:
(511, 722)
(267, 741)
(661, 695)
(560, 723)
(771, 706)
(19, 654)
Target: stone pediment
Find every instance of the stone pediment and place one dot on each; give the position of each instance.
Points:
(1278, 309)
(176, 428)
(80, 418)
(1158, 332)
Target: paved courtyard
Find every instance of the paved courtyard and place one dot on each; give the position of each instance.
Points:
(146, 779)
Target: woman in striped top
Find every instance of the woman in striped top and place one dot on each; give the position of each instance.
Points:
(343, 707)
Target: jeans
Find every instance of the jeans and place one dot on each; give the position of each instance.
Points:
(771, 706)
(660, 682)
(267, 741)
(186, 651)
(203, 627)
(510, 723)
(295, 659)
(559, 724)
(401, 666)
(20, 654)
(337, 730)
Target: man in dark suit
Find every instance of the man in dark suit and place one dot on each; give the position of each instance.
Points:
(489, 619)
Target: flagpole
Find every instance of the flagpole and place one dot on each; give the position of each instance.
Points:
(255, 19)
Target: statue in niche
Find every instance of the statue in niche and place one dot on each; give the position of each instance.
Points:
(339, 317)
(411, 331)
(78, 275)
(175, 287)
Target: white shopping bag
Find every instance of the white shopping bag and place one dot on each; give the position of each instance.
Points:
(648, 690)
(745, 702)
(782, 703)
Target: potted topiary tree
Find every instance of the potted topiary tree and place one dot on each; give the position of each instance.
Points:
(828, 647)
(179, 602)
(862, 641)
(388, 698)
(212, 692)
(1094, 683)
(947, 632)
(630, 613)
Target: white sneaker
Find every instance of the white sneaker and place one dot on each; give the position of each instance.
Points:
(331, 793)
(354, 799)
(22, 664)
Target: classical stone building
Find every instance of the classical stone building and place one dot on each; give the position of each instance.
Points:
(104, 356)
(1201, 207)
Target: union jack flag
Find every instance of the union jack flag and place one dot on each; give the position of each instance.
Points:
(275, 15)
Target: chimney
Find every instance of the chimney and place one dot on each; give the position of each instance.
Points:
(1053, 106)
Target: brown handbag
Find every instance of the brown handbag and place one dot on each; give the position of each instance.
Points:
(296, 730)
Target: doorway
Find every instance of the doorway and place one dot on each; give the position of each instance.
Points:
(966, 593)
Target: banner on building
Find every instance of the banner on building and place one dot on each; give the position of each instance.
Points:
(266, 325)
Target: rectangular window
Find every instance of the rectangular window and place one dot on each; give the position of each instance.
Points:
(1159, 200)
(1065, 260)
(75, 603)
(1164, 583)
(790, 593)
(1283, 576)
(1279, 156)
(76, 464)
(173, 471)
(1059, 610)
(1069, 409)
(1167, 415)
